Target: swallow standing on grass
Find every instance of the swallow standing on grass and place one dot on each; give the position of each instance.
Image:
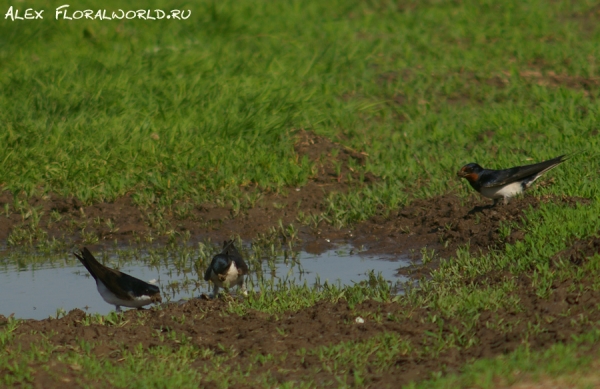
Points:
(118, 288)
(504, 184)
(227, 269)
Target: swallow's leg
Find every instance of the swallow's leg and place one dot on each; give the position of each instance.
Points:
(215, 292)
(496, 201)
(243, 287)
(118, 308)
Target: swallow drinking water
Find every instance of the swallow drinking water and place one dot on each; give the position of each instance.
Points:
(227, 269)
(119, 288)
(504, 184)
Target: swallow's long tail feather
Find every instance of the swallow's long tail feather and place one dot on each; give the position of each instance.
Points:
(229, 248)
(546, 166)
(231, 251)
(518, 173)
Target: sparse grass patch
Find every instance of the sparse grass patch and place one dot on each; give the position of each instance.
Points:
(561, 365)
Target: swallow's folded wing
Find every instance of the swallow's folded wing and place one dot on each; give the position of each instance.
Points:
(493, 178)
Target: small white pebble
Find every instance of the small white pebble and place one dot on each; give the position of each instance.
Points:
(360, 320)
(297, 189)
(152, 281)
(327, 240)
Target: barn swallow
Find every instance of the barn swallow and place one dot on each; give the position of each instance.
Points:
(504, 184)
(227, 269)
(118, 288)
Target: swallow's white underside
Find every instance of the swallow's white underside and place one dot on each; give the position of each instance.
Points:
(506, 191)
(109, 297)
(232, 278)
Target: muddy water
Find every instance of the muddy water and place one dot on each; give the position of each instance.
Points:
(42, 290)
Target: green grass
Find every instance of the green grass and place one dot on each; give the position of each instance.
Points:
(563, 365)
(199, 109)
(451, 291)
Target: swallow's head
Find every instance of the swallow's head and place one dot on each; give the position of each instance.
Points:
(221, 263)
(470, 172)
(153, 292)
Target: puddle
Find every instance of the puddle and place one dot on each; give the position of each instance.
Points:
(37, 291)
(338, 267)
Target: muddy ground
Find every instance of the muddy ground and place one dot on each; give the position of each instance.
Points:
(66, 218)
(442, 223)
(209, 325)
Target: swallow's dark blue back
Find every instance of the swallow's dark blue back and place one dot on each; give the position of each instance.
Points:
(490, 178)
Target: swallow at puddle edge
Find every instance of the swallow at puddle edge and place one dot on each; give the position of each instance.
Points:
(118, 288)
(227, 269)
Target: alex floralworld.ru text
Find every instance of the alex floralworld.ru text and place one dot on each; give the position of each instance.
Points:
(63, 13)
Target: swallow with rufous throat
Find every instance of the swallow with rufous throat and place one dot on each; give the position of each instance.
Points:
(504, 184)
(227, 269)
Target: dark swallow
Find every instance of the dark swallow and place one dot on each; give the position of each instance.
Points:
(227, 269)
(118, 288)
(504, 184)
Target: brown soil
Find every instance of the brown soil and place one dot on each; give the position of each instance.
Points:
(552, 79)
(579, 251)
(538, 75)
(537, 72)
(73, 220)
(441, 223)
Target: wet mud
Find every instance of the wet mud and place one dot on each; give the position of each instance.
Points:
(208, 324)
(443, 223)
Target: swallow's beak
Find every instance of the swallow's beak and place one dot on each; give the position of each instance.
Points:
(461, 173)
(156, 298)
